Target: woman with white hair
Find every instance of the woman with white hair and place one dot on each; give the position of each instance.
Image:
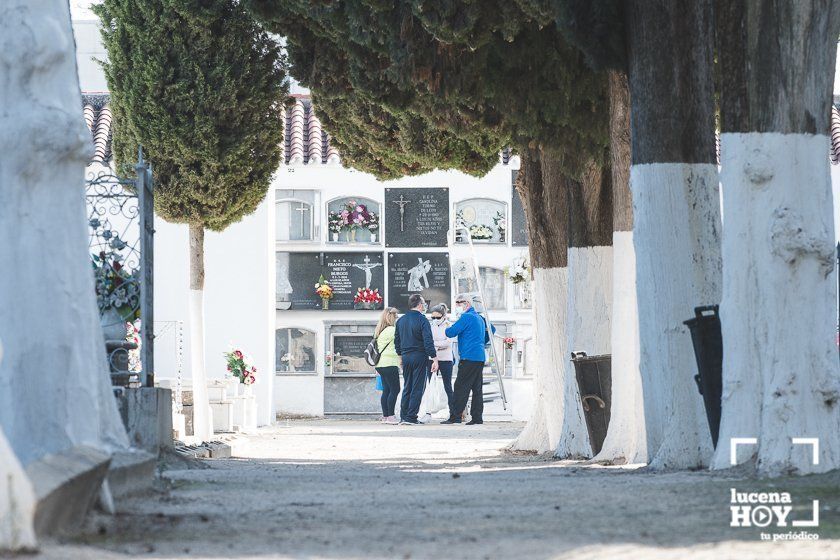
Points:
(443, 345)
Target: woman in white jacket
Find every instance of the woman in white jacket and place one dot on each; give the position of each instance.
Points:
(443, 346)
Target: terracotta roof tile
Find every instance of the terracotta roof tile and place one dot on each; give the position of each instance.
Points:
(97, 115)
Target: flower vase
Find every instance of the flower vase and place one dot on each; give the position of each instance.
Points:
(373, 238)
(248, 391)
(335, 237)
(325, 303)
(352, 236)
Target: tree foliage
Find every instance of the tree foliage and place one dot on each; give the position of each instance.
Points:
(489, 73)
(201, 86)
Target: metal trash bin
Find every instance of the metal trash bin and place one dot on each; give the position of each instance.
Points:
(594, 379)
(708, 352)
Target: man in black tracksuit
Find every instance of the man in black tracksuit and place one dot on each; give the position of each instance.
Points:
(414, 342)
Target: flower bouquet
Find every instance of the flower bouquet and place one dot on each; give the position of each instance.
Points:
(373, 226)
(324, 291)
(518, 272)
(501, 224)
(479, 232)
(335, 223)
(509, 342)
(237, 365)
(117, 288)
(366, 298)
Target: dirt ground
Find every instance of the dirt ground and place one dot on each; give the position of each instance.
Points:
(328, 489)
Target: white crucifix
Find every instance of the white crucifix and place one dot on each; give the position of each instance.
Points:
(303, 208)
(368, 268)
(402, 202)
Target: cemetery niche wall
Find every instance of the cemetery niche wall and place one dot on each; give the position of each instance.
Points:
(519, 227)
(424, 273)
(297, 215)
(347, 272)
(493, 284)
(485, 218)
(353, 220)
(417, 217)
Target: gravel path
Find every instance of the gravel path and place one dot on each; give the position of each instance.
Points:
(328, 489)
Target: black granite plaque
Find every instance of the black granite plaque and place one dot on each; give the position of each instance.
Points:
(424, 273)
(348, 354)
(519, 230)
(416, 217)
(297, 274)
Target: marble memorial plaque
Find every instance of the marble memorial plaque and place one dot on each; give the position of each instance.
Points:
(416, 217)
(297, 274)
(519, 228)
(485, 218)
(348, 354)
(424, 273)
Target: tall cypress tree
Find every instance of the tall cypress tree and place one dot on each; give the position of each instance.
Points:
(201, 86)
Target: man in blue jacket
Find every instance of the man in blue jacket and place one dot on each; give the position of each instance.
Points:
(471, 331)
(413, 341)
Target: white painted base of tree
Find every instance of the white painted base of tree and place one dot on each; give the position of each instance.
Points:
(588, 321)
(202, 419)
(542, 433)
(678, 267)
(17, 502)
(55, 391)
(625, 442)
(780, 367)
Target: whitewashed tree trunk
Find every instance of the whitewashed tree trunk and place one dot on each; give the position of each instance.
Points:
(780, 366)
(676, 229)
(676, 235)
(543, 430)
(543, 188)
(202, 419)
(590, 294)
(55, 392)
(17, 500)
(780, 359)
(588, 322)
(625, 441)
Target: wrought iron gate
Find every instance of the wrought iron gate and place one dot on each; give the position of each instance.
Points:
(121, 221)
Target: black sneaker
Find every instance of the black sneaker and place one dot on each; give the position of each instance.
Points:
(474, 422)
(452, 421)
(410, 422)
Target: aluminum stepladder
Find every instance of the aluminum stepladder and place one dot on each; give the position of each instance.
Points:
(477, 302)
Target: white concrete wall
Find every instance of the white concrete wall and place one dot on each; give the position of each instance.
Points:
(239, 295)
(89, 47)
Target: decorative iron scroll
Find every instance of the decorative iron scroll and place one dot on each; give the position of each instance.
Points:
(120, 213)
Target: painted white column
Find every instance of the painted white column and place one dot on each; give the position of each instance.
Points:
(780, 367)
(588, 321)
(55, 392)
(625, 441)
(676, 235)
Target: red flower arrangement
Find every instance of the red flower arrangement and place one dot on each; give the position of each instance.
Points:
(366, 295)
(237, 364)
